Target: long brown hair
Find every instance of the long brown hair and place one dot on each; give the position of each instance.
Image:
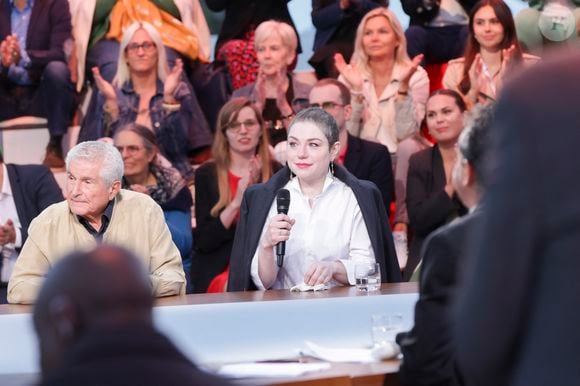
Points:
(506, 19)
(221, 149)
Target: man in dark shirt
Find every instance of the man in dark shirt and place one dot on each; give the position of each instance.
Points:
(428, 351)
(95, 334)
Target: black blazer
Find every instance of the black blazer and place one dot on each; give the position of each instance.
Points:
(420, 15)
(254, 212)
(130, 354)
(49, 28)
(243, 14)
(428, 205)
(428, 348)
(213, 243)
(371, 161)
(34, 189)
(517, 320)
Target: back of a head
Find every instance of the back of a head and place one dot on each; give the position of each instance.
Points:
(105, 285)
(475, 143)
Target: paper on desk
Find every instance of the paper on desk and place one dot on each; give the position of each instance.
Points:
(363, 355)
(270, 370)
(303, 287)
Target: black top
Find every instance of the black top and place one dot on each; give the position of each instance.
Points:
(428, 204)
(129, 355)
(243, 15)
(428, 347)
(105, 220)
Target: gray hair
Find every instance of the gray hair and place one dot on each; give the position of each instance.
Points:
(94, 151)
(283, 30)
(321, 119)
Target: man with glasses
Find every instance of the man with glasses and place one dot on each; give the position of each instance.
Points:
(366, 160)
(97, 211)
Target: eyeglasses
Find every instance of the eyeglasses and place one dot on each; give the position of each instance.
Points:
(131, 149)
(235, 127)
(326, 105)
(133, 48)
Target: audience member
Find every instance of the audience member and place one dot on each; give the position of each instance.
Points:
(235, 44)
(366, 160)
(516, 322)
(147, 93)
(94, 334)
(99, 27)
(148, 172)
(389, 89)
(276, 92)
(97, 210)
(428, 351)
(334, 219)
(437, 29)
(389, 93)
(336, 22)
(26, 191)
(548, 23)
(34, 77)
(492, 54)
(241, 158)
(431, 197)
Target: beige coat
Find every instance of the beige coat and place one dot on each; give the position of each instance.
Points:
(137, 223)
(454, 74)
(82, 12)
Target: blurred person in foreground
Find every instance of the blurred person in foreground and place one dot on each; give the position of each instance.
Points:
(429, 356)
(93, 334)
(516, 322)
(97, 211)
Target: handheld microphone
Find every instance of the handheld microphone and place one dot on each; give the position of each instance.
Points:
(282, 204)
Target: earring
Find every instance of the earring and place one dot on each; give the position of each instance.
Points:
(331, 167)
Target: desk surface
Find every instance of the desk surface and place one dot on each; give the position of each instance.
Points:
(253, 296)
(346, 374)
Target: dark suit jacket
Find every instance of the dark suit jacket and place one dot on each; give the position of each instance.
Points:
(129, 355)
(49, 28)
(241, 14)
(420, 15)
(517, 322)
(254, 212)
(429, 357)
(327, 17)
(371, 161)
(428, 205)
(213, 242)
(34, 189)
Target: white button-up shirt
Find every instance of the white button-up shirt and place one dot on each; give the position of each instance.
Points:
(8, 211)
(332, 229)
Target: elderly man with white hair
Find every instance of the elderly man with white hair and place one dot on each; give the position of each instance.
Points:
(97, 211)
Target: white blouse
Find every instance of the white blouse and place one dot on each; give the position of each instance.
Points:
(332, 229)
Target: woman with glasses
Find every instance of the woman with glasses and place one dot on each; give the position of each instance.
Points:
(147, 171)
(241, 158)
(276, 92)
(145, 92)
(334, 220)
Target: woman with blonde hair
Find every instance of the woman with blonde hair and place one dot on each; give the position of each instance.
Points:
(145, 92)
(276, 92)
(241, 157)
(389, 94)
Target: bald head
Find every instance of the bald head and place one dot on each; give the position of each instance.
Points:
(107, 286)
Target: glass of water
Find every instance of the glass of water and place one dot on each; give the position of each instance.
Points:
(367, 276)
(385, 327)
